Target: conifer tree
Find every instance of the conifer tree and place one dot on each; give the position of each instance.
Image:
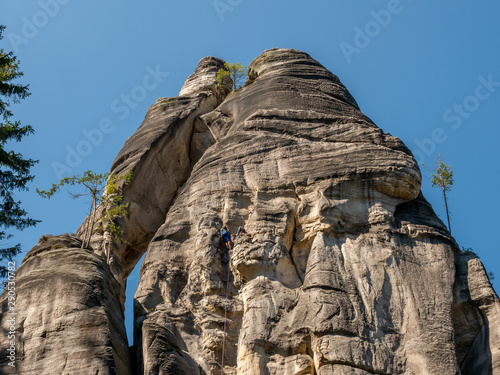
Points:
(443, 178)
(93, 184)
(102, 189)
(234, 72)
(15, 169)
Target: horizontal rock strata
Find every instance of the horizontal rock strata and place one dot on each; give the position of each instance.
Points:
(344, 267)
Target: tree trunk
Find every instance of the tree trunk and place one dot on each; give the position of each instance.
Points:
(92, 221)
(447, 213)
(86, 228)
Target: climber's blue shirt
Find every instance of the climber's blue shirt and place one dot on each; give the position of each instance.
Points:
(226, 236)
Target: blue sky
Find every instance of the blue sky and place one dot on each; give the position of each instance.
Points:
(427, 72)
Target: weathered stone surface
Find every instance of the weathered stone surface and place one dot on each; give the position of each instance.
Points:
(161, 154)
(344, 269)
(68, 317)
(203, 77)
(476, 314)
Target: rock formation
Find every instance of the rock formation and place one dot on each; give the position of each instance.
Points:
(69, 318)
(344, 269)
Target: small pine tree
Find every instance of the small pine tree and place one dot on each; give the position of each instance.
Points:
(235, 72)
(94, 184)
(103, 189)
(443, 178)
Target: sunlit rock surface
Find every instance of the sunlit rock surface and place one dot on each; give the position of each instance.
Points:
(68, 314)
(161, 154)
(344, 269)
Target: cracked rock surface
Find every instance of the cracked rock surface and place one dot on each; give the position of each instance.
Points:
(344, 269)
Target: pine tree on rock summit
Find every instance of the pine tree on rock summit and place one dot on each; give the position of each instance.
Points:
(231, 73)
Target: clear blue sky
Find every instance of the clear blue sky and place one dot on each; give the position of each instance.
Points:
(427, 72)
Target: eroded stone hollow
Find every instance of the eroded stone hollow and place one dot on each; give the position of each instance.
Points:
(344, 269)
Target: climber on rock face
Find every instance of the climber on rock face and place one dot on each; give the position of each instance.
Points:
(226, 237)
(241, 231)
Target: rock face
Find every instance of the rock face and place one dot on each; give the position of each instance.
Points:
(69, 319)
(344, 269)
(476, 314)
(161, 154)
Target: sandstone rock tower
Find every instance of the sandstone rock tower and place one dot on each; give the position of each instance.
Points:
(345, 268)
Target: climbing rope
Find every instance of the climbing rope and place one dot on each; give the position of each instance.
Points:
(225, 316)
